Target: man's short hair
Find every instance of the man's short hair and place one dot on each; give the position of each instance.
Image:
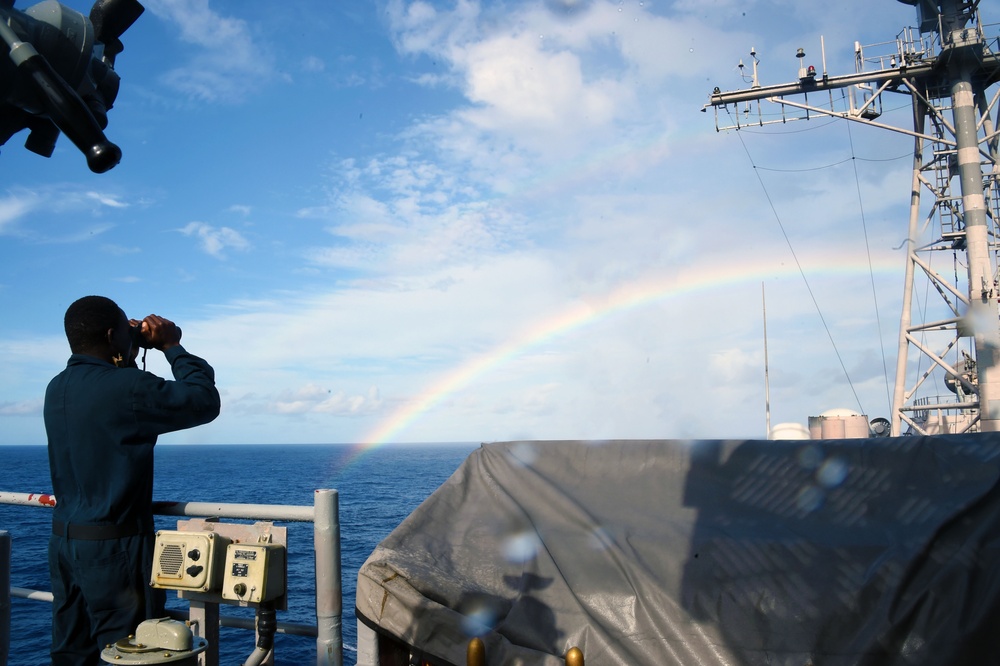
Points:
(87, 322)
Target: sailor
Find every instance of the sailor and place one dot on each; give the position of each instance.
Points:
(102, 417)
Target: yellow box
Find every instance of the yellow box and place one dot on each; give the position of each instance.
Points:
(188, 560)
(254, 572)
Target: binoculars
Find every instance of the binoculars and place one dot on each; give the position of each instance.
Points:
(60, 77)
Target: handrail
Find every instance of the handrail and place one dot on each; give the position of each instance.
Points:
(289, 512)
(4, 596)
(324, 514)
(290, 628)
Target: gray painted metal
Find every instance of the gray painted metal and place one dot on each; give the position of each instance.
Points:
(329, 595)
(4, 596)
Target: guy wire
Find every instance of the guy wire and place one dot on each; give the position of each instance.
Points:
(798, 265)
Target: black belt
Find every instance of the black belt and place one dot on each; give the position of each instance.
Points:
(86, 532)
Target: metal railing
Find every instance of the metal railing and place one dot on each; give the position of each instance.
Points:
(324, 515)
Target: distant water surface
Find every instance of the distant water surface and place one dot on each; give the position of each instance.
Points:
(377, 490)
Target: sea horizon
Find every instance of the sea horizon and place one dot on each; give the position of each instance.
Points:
(378, 487)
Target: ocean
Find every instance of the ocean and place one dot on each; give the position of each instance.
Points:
(377, 489)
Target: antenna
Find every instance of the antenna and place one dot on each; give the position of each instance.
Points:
(946, 68)
(767, 381)
(822, 48)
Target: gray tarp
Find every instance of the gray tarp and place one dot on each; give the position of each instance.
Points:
(880, 551)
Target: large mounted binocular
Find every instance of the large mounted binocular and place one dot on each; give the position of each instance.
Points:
(60, 77)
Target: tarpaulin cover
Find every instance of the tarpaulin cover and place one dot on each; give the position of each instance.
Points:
(881, 551)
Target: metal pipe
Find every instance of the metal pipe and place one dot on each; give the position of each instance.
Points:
(831, 83)
(906, 314)
(982, 290)
(286, 512)
(257, 657)
(329, 603)
(25, 593)
(267, 625)
(28, 499)
(289, 628)
(301, 514)
(4, 596)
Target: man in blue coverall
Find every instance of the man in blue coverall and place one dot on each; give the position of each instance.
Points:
(102, 417)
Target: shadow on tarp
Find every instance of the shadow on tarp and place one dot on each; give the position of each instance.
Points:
(879, 551)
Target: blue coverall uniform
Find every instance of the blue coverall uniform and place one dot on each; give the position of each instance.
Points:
(102, 422)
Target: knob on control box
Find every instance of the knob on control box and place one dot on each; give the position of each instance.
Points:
(254, 572)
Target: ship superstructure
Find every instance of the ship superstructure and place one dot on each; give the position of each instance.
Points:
(948, 66)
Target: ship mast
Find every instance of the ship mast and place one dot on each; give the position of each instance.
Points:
(946, 66)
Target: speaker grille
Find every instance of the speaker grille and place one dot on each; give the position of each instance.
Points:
(171, 560)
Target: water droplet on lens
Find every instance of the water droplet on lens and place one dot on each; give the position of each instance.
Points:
(832, 473)
(523, 454)
(477, 621)
(810, 457)
(521, 547)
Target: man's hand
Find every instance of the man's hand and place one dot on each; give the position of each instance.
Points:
(160, 333)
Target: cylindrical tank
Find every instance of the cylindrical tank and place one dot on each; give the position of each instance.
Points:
(839, 424)
(788, 431)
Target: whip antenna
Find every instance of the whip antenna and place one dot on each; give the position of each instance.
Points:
(767, 383)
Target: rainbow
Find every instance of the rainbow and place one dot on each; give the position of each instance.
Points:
(627, 157)
(580, 315)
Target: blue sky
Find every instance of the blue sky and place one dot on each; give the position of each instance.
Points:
(473, 221)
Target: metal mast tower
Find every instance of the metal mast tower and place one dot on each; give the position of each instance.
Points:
(946, 65)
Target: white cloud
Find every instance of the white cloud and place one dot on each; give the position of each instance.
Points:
(729, 366)
(556, 97)
(313, 64)
(418, 27)
(520, 80)
(517, 85)
(14, 206)
(58, 214)
(406, 215)
(107, 200)
(216, 240)
(24, 408)
(314, 399)
(227, 60)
